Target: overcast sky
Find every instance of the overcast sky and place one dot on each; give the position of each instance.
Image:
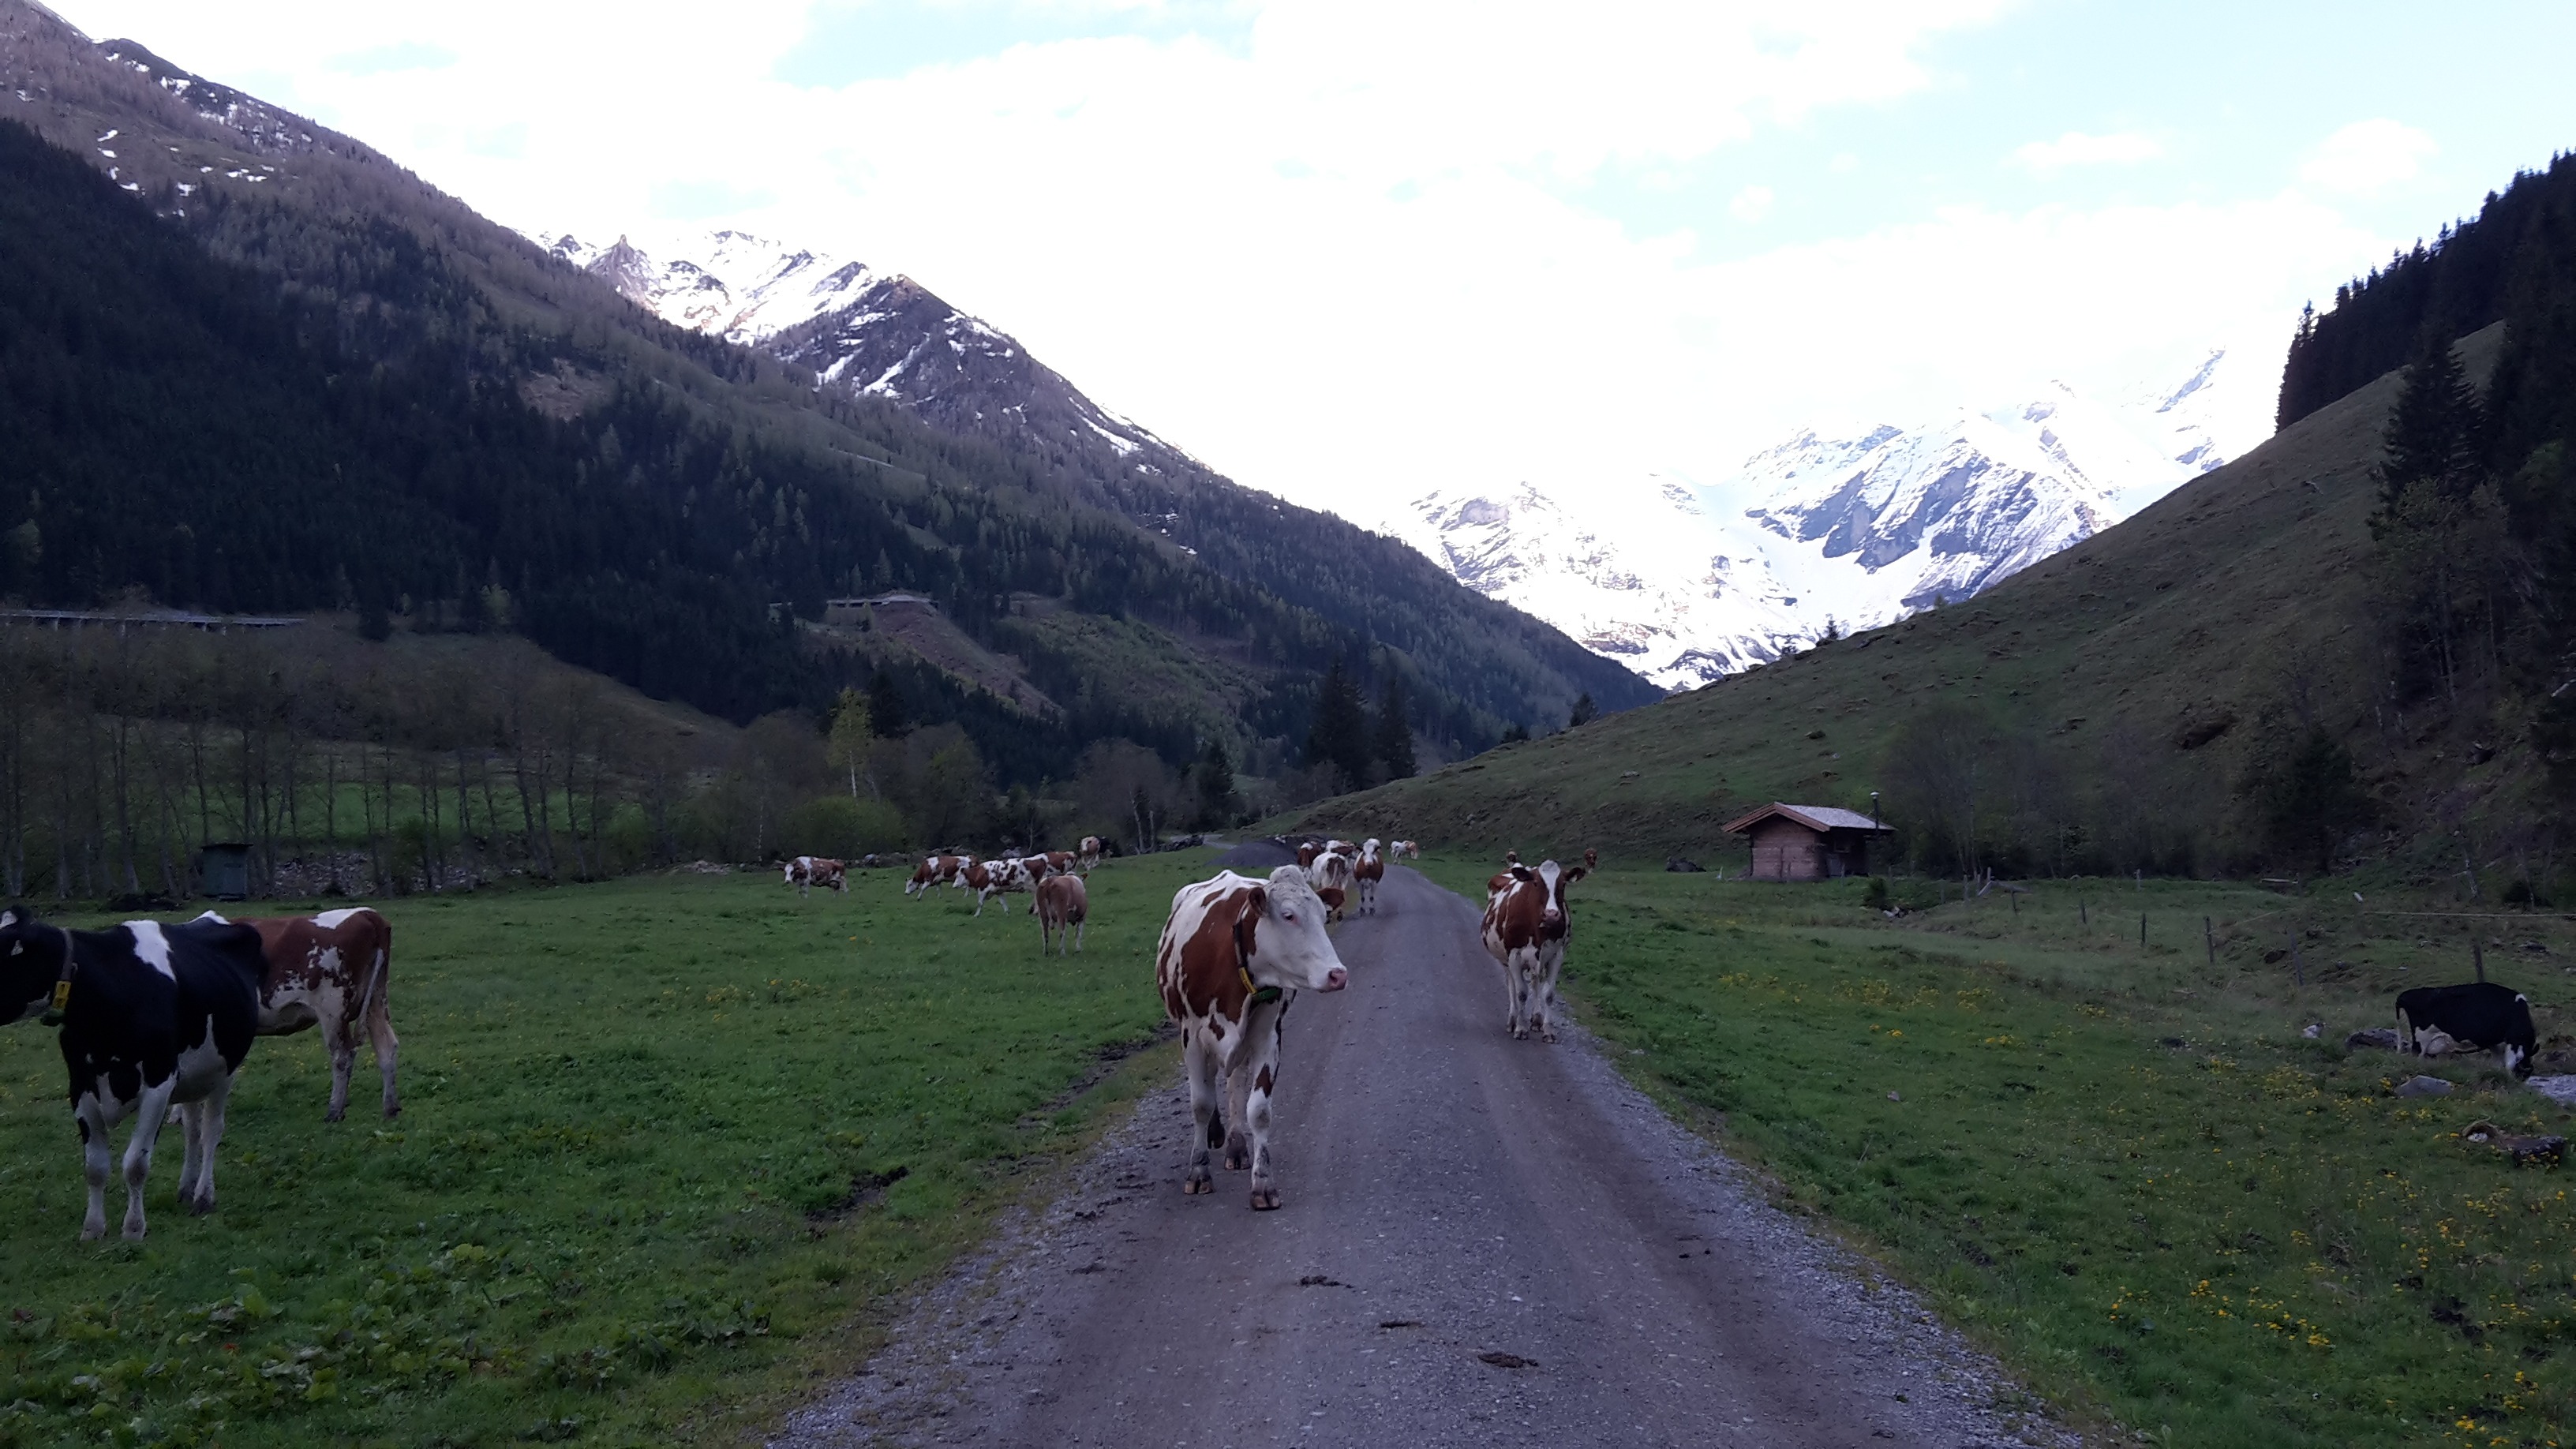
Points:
(1349, 251)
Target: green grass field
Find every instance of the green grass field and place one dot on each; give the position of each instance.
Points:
(2126, 1170)
(669, 1147)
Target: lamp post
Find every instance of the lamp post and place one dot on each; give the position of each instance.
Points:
(1873, 809)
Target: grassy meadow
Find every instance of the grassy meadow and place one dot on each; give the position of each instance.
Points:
(667, 1147)
(2126, 1169)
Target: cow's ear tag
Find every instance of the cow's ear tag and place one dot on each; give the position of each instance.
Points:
(1265, 995)
(62, 994)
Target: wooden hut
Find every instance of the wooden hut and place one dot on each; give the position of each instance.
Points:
(1808, 842)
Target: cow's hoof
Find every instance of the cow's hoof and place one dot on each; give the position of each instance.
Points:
(1197, 1182)
(200, 1207)
(1238, 1154)
(93, 1232)
(1265, 1199)
(334, 1115)
(1548, 1036)
(134, 1235)
(392, 1112)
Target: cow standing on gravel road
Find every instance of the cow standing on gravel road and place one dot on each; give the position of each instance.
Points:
(1233, 955)
(1526, 929)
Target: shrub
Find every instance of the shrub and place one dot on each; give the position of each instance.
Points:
(838, 826)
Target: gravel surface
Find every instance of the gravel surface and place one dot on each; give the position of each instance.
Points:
(1483, 1242)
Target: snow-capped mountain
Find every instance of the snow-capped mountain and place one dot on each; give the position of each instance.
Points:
(871, 333)
(1685, 582)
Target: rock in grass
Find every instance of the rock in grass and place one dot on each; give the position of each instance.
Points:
(1679, 866)
(2382, 1037)
(2424, 1087)
(2548, 1151)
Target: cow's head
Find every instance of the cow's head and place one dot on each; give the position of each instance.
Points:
(31, 958)
(1550, 880)
(1279, 935)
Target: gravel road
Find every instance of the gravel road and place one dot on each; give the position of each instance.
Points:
(1484, 1242)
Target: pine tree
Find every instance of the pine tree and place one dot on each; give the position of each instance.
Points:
(1393, 745)
(1339, 736)
(885, 705)
(1213, 779)
(2434, 434)
(1585, 711)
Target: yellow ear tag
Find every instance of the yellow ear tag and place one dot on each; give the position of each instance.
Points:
(62, 994)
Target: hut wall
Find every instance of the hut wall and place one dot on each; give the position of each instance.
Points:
(1786, 850)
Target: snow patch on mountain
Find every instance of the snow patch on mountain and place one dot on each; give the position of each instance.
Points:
(872, 333)
(1686, 582)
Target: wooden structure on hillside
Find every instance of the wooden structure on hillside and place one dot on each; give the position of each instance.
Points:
(1808, 842)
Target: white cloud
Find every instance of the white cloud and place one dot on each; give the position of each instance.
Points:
(1351, 251)
(1751, 204)
(2120, 148)
(2367, 157)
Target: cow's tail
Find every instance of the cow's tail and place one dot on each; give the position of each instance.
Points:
(372, 998)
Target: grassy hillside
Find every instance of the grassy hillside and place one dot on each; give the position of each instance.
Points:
(666, 1145)
(2127, 686)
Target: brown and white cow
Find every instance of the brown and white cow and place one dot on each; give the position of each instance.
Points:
(1234, 954)
(808, 871)
(1306, 853)
(1057, 862)
(1403, 850)
(1063, 904)
(1090, 853)
(334, 971)
(1332, 877)
(1526, 928)
(1003, 878)
(793, 869)
(936, 870)
(1367, 872)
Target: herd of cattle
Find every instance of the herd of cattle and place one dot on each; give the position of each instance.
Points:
(154, 1020)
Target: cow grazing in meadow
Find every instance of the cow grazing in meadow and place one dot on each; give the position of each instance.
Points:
(936, 870)
(333, 971)
(1403, 850)
(1332, 876)
(150, 1015)
(1089, 855)
(2434, 1021)
(792, 871)
(1063, 904)
(1526, 928)
(1368, 871)
(1232, 956)
(808, 871)
(1058, 862)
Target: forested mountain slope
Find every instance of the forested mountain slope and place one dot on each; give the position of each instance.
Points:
(528, 448)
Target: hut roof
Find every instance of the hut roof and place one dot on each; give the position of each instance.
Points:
(1819, 818)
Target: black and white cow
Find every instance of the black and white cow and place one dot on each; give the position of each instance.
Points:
(151, 1015)
(2476, 1016)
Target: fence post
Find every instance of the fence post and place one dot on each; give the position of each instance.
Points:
(2478, 953)
(2081, 918)
(2142, 930)
(2298, 960)
(2209, 937)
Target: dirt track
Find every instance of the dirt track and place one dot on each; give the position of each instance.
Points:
(1483, 1242)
